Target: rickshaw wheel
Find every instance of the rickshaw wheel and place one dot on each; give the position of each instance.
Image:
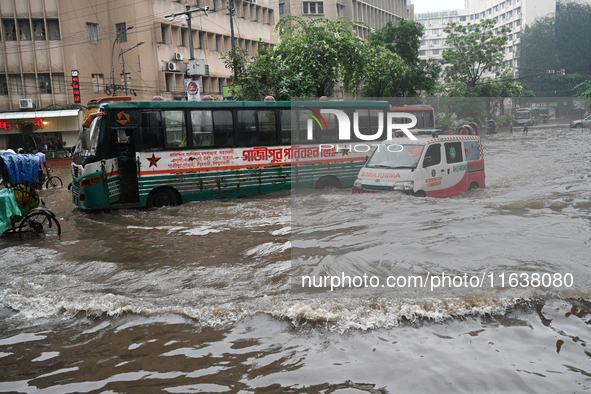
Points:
(53, 181)
(39, 222)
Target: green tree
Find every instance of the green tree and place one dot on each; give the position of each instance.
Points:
(28, 129)
(415, 76)
(558, 41)
(382, 72)
(310, 59)
(473, 50)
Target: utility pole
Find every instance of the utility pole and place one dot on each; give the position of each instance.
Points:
(186, 18)
(123, 62)
(112, 68)
(232, 41)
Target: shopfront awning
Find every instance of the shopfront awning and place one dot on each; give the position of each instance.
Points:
(65, 120)
(39, 114)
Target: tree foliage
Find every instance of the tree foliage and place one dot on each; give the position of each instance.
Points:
(28, 129)
(473, 50)
(313, 56)
(385, 77)
(555, 42)
(310, 59)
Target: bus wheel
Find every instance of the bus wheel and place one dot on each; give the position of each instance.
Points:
(163, 197)
(420, 193)
(328, 182)
(474, 185)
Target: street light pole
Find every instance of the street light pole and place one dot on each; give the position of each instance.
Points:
(112, 68)
(186, 16)
(123, 62)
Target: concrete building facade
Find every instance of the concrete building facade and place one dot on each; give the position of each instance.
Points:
(373, 13)
(42, 42)
(514, 14)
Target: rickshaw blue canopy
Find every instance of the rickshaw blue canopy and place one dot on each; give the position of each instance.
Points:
(19, 168)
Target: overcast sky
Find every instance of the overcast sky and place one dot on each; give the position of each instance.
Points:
(436, 5)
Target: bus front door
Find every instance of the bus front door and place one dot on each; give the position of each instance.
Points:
(128, 170)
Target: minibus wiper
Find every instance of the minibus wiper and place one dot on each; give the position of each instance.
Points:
(381, 166)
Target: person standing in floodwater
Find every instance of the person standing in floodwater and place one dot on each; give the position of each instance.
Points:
(511, 127)
(525, 128)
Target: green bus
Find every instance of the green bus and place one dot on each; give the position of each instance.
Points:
(157, 153)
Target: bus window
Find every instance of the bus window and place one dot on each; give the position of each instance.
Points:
(223, 128)
(174, 129)
(332, 134)
(247, 128)
(202, 123)
(267, 128)
(368, 123)
(152, 130)
(319, 132)
(286, 127)
(302, 135)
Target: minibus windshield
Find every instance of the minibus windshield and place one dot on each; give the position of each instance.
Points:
(523, 115)
(88, 139)
(395, 156)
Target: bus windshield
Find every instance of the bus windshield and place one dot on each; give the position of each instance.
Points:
(523, 115)
(88, 139)
(395, 156)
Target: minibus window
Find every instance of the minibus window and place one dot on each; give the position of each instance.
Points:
(472, 150)
(453, 152)
(433, 156)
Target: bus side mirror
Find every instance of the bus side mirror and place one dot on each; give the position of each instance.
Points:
(366, 158)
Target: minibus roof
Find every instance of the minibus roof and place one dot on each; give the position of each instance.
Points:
(427, 139)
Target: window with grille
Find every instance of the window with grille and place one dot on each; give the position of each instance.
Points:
(3, 85)
(313, 7)
(44, 83)
(121, 32)
(24, 30)
(39, 30)
(59, 83)
(53, 29)
(92, 32)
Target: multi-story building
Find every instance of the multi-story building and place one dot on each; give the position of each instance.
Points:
(372, 13)
(42, 42)
(514, 14)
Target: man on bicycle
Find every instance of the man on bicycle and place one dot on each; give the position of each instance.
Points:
(42, 163)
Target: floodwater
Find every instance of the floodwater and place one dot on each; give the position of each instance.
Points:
(203, 297)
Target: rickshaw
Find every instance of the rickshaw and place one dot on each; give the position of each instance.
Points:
(20, 211)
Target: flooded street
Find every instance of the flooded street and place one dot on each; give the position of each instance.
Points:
(204, 297)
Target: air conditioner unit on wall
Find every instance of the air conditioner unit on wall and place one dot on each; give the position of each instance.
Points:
(26, 104)
(171, 66)
(178, 56)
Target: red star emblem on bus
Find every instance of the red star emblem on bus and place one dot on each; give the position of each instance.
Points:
(346, 151)
(153, 160)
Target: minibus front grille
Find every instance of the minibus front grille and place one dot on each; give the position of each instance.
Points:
(377, 188)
